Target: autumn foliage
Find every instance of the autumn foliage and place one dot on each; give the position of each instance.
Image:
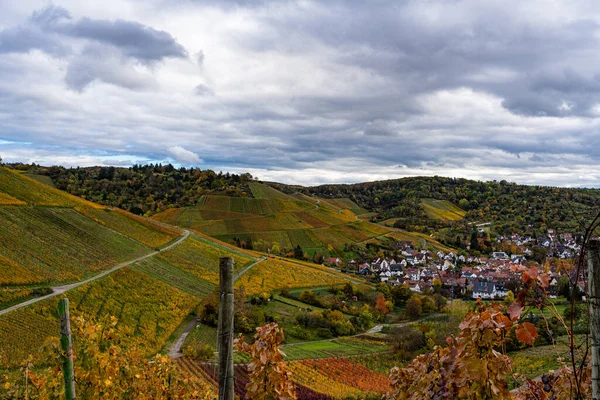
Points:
(474, 365)
(267, 372)
(104, 370)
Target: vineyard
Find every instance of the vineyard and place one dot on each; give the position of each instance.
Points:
(442, 210)
(140, 229)
(32, 192)
(147, 311)
(272, 217)
(43, 244)
(200, 258)
(276, 274)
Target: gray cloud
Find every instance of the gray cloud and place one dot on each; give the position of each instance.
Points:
(50, 28)
(312, 91)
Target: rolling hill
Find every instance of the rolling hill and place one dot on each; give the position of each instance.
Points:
(50, 238)
(324, 226)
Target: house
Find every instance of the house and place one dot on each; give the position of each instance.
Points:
(333, 261)
(364, 269)
(384, 276)
(488, 290)
(396, 269)
(499, 255)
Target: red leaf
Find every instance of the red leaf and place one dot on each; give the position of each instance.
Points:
(515, 310)
(526, 333)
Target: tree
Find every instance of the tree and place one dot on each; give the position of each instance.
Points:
(474, 241)
(563, 288)
(414, 307)
(298, 252)
(510, 298)
(275, 249)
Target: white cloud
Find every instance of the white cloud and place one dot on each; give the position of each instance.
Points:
(184, 156)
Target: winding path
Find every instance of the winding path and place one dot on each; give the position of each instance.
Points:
(57, 290)
(175, 350)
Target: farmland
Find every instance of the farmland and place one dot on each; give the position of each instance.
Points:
(200, 258)
(45, 244)
(317, 225)
(260, 278)
(147, 312)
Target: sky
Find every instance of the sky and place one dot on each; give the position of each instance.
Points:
(307, 92)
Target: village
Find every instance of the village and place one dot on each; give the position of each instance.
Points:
(470, 277)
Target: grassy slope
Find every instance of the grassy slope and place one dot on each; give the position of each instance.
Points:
(49, 236)
(442, 210)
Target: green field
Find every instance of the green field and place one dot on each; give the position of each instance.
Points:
(333, 348)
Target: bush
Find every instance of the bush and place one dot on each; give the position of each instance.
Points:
(407, 339)
(414, 307)
(324, 333)
(299, 332)
(201, 352)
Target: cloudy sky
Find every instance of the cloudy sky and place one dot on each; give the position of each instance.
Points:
(307, 92)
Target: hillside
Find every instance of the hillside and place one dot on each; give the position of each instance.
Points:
(319, 226)
(141, 189)
(49, 238)
(433, 201)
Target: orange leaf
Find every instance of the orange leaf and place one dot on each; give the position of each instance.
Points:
(526, 333)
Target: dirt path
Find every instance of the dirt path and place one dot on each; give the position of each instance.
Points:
(378, 328)
(57, 290)
(175, 350)
(248, 268)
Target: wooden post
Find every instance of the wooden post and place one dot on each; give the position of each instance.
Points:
(67, 347)
(226, 372)
(594, 299)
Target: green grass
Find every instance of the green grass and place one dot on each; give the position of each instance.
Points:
(332, 348)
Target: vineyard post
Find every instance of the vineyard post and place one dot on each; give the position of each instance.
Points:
(594, 299)
(67, 347)
(226, 329)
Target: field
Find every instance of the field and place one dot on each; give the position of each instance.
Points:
(143, 230)
(201, 334)
(274, 217)
(442, 210)
(33, 192)
(148, 311)
(276, 274)
(200, 258)
(171, 275)
(417, 239)
(47, 244)
(345, 346)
